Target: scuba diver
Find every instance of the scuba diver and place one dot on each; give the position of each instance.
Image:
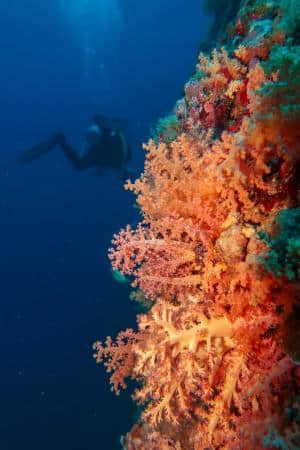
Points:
(105, 146)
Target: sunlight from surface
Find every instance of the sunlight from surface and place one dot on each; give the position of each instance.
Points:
(105, 13)
(97, 24)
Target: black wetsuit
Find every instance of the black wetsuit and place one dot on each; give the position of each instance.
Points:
(111, 151)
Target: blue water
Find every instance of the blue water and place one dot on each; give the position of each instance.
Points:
(60, 65)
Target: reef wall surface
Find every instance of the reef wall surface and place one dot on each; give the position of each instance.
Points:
(215, 259)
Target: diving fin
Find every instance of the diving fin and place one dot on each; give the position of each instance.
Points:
(38, 150)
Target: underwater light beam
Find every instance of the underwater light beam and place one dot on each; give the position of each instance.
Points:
(97, 23)
(106, 13)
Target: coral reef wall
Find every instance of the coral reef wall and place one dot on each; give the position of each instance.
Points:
(222, 12)
(215, 258)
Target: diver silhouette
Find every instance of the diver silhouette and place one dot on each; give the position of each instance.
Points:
(105, 146)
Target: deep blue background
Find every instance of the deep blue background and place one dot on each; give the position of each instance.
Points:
(57, 292)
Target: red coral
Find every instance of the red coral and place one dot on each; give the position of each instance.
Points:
(209, 100)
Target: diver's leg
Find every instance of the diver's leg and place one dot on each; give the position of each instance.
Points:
(71, 154)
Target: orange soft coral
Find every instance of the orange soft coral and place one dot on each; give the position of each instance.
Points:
(210, 355)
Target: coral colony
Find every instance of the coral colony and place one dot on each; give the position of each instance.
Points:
(216, 355)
